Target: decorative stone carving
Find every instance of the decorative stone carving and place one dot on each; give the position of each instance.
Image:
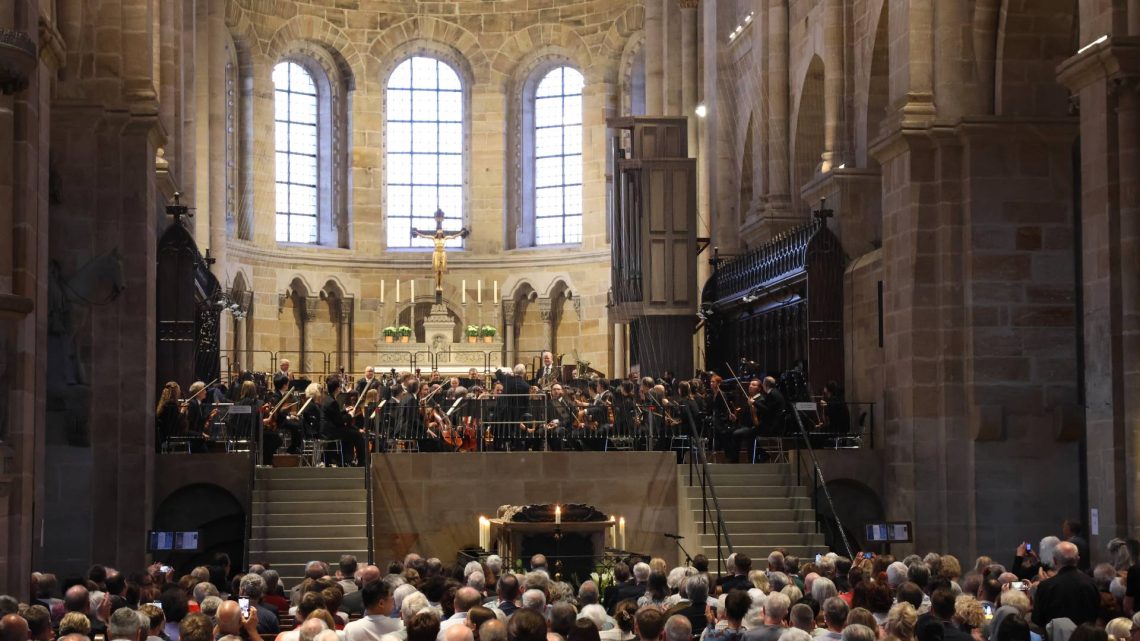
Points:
(689, 4)
(312, 304)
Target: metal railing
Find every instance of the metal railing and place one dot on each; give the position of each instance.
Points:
(818, 481)
(710, 504)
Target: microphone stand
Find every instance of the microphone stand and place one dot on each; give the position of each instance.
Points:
(677, 540)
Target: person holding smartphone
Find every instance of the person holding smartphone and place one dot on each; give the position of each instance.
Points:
(239, 619)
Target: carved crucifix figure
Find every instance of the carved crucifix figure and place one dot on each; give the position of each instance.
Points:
(439, 257)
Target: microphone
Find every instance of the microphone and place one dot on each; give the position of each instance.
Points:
(676, 537)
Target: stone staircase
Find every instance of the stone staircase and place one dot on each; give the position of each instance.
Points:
(304, 514)
(763, 509)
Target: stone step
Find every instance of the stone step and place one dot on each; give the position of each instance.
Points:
(761, 553)
(746, 472)
(753, 515)
(280, 545)
(309, 472)
(805, 526)
(306, 507)
(301, 557)
(319, 483)
(753, 491)
(325, 496)
(768, 541)
(747, 468)
(270, 518)
(764, 502)
(356, 529)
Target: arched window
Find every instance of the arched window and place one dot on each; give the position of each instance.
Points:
(424, 155)
(557, 203)
(295, 115)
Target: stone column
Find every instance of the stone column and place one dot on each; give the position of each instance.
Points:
(654, 57)
(778, 183)
(546, 312)
(673, 45)
(620, 350)
(218, 57)
(834, 112)
(509, 335)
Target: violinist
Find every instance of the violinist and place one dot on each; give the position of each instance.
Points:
(285, 418)
(169, 415)
(242, 424)
(409, 421)
(335, 425)
(624, 406)
(197, 419)
(561, 416)
(747, 423)
(310, 412)
(369, 382)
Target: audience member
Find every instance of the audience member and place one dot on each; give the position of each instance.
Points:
(1070, 593)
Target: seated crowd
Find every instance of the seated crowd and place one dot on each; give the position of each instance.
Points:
(1044, 595)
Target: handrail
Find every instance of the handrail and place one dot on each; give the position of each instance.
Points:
(367, 465)
(817, 476)
(708, 489)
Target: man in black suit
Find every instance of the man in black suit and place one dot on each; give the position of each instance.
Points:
(1070, 593)
(547, 374)
(942, 614)
(741, 565)
(516, 390)
(335, 425)
(368, 382)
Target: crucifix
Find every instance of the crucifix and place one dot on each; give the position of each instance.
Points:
(439, 257)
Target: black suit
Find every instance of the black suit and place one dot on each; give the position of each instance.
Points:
(950, 630)
(514, 404)
(335, 426)
(547, 374)
(363, 384)
(1071, 594)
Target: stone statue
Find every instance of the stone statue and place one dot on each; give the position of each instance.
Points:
(439, 256)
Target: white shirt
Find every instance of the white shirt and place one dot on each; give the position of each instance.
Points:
(459, 618)
(372, 627)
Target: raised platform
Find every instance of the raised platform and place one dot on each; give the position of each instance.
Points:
(431, 503)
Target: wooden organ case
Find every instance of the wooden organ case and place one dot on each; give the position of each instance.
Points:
(780, 305)
(653, 240)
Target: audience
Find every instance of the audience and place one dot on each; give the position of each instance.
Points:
(927, 597)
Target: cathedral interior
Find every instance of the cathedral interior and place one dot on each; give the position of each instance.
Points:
(976, 161)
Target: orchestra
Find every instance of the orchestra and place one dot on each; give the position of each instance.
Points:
(500, 410)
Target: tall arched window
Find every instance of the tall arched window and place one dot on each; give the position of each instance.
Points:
(295, 116)
(424, 156)
(558, 157)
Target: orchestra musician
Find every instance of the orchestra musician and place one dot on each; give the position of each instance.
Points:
(283, 368)
(547, 373)
(197, 417)
(747, 421)
(286, 419)
(337, 426)
(561, 417)
(370, 381)
(168, 416)
(310, 414)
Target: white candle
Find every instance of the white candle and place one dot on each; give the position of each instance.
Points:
(397, 290)
(381, 291)
(484, 532)
(464, 286)
(412, 285)
(496, 292)
(479, 291)
(558, 515)
(621, 531)
(613, 531)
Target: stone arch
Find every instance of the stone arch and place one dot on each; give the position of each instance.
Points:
(427, 35)
(1032, 39)
(878, 97)
(566, 321)
(857, 504)
(335, 48)
(633, 19)
(747, 168)
(809, 133)
(518, 224)
(631, 73)
(214, 512)
(526, 47)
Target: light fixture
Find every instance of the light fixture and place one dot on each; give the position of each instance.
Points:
(1092, 44)
(843, 166)
(701, 111)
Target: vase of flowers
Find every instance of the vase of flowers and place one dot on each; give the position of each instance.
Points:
(488, 332)
(389, 334)
(405, 333)
(472, 333)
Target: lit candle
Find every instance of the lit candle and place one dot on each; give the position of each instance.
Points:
(479, 291)
(558, 515)
(613, 531)
(397, 290)
(484, 532)
(381, 291)
(496, 292)
(464, 286)
(621, 531)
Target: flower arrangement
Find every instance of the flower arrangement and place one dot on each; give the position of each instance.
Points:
(472, 330)
(488, 331)
(390, 331)
(405, 333)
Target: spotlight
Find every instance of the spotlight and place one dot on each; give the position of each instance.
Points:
(701, 110)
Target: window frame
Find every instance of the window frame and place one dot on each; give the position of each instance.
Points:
(533, 158)
(461, 70)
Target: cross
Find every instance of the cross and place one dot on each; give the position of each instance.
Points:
(439, 237)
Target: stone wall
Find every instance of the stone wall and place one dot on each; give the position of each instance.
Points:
(430, 503)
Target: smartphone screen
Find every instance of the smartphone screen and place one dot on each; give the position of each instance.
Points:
(243, 603)
(1028, 547)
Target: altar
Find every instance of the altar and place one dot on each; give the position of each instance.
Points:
(439, 348)
(573, 546)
